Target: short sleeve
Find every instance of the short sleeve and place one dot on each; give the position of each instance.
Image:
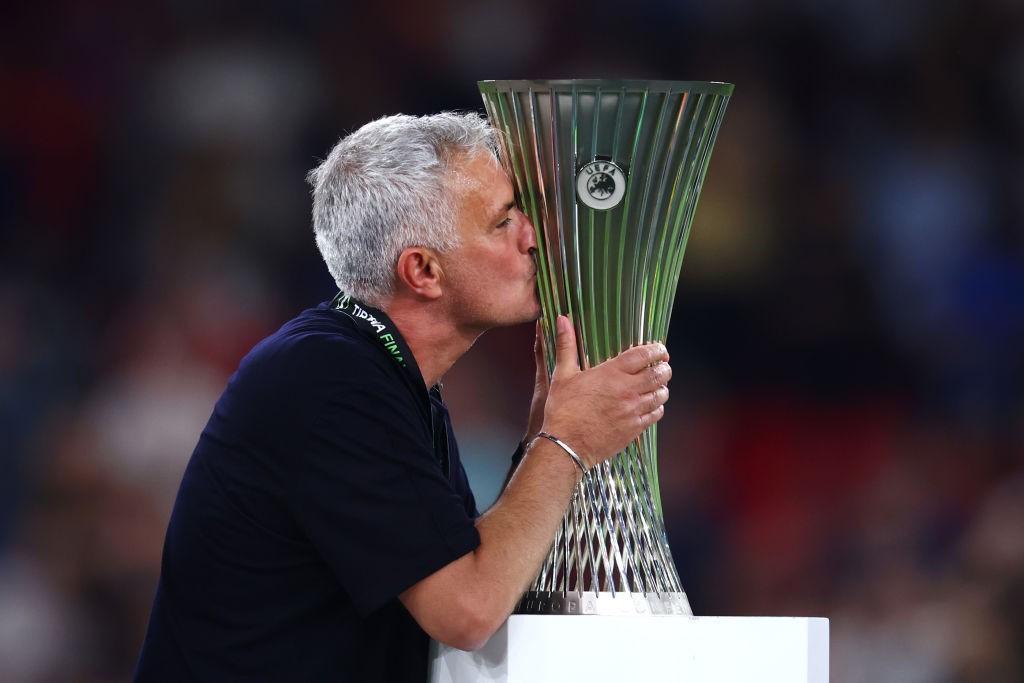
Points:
(369, 493)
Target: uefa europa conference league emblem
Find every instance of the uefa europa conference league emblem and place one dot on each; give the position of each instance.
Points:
(610, 173)
(601, 185)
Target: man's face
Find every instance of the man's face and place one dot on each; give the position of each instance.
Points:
(490, 277)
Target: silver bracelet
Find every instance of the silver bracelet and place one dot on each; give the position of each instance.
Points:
(561, 444)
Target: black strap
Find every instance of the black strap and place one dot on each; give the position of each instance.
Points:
(378, 325)
(374, 323)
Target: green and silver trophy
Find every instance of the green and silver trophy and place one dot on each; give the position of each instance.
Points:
(610, 173)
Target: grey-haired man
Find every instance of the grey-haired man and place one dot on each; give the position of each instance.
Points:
(324, 527)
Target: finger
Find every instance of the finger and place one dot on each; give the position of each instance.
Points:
(637, 358)
(538, 356)
(650, 401)
(651, 377)
(647, 419)
(567, 362)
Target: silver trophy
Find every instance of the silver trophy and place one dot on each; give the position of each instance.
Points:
(610, 173)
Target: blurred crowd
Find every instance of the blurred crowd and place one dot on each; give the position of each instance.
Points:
(846, 433)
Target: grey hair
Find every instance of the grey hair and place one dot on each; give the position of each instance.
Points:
(385, 188)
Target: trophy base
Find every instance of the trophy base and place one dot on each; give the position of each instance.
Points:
(602, 602)
(552, 649)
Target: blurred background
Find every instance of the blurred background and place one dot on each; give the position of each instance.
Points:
(846, 433)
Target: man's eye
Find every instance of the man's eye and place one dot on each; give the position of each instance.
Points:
(505, 222)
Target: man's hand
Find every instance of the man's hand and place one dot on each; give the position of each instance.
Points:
(597, 412)
(600, 410)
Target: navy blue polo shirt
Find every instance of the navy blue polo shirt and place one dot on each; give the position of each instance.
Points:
(326, 482)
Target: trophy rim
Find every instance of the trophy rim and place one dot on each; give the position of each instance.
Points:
(629, 84)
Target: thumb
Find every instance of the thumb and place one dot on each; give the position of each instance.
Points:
(538, 353)
(567, 362)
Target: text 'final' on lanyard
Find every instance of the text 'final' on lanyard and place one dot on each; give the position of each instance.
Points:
(375, 323)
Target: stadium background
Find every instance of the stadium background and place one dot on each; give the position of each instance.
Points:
(846, 431)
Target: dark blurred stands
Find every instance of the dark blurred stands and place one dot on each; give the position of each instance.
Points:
(846, 434)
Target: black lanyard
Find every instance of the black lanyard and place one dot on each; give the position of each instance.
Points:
(374, 323)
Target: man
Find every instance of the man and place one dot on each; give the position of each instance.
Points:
(324, 526)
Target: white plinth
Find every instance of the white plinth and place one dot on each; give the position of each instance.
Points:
(542, 648)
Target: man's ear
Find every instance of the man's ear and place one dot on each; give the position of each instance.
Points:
(419, 270)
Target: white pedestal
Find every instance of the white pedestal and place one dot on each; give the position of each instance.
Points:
(559, 649)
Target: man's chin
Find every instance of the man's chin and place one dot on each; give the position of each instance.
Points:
(531, 317)
(536, 314)
(528, 314)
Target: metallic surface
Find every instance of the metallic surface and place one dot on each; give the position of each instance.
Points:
(603, 602)
(614, 273)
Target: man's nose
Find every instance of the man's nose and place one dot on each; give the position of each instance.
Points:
(527, 234)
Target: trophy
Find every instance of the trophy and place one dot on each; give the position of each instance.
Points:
(610, 173)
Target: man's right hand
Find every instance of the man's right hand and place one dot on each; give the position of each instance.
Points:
(600, 410)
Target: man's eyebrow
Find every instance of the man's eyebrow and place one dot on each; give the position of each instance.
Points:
(505, 209)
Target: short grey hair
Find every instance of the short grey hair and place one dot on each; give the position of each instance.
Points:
(385, 188)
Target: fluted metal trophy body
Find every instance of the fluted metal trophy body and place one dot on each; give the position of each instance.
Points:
(610, 173)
